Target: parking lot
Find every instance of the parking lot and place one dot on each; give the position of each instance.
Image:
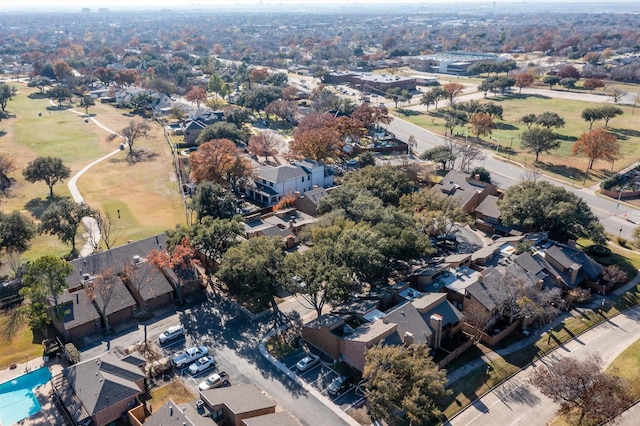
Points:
(320, 377)
(174, 347)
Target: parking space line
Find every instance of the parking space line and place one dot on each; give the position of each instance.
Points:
(355, 404)
(321, 377)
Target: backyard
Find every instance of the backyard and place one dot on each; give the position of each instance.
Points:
(137, 190)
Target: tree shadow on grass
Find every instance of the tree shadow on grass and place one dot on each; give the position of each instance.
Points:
(12, 323)
(37, 95)
(566, 138)
(407, 112)
(2, 133)
(624, 134)
(37, 206)
(505, 126)
(572, 173)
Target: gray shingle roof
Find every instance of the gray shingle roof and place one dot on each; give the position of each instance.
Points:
(489, 207)
(279, 174)
(103, 381)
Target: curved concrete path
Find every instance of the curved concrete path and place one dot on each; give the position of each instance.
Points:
(90, 223)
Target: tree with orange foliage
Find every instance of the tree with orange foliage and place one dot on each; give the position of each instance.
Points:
(350, 127)
(481, 124)
(289, 93)
(285, 202)
(524, 79)
(316, 138)
(597, 144)
(181, 260)
(371, 116)
(212, 160)
(258, 75)
(126, 77)
(196, 94)
(264, 144)
(453, 90)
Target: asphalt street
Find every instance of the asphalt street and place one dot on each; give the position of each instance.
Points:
(619, 219)
(232, 338)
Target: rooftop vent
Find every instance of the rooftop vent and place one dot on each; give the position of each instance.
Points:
(136, 259)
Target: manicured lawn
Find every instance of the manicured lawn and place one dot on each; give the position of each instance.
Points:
(17, 341)
(560, 162)
(627, 366)
(146, 192)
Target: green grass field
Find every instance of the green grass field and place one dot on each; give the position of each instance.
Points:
(146, 192)
(559, 162)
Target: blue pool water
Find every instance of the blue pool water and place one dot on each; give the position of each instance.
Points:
(17, 400)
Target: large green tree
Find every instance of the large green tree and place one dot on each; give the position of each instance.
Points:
(16, 230)
(212, 200)
(541, 206)
(46, 279)
(403, 381)
(62, 219)
(6, 94)
(50, 170)
(250, 271)
(220, 130)
(539, 140)
(386, 182)
(312, 277)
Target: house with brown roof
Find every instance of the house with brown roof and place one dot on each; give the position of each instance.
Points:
(574, 266)
(99, 390)
(346, 334)
(470, 191)
(231, 405)
(77, 316)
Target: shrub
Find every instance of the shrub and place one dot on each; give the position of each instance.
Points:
(72, 352)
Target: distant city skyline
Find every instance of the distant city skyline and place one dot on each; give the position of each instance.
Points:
(159, 4)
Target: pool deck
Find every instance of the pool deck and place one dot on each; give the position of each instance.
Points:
(49, 414)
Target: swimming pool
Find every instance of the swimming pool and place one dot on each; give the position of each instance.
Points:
(17, 400)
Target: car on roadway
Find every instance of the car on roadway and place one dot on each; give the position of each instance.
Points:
(307, 362)
(338, 386)
(215, 380)
(189, 355)
(171, 333)
(202, 364)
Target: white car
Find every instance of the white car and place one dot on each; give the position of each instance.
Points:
(215, 380)
(307, 362)
(202, 364)
(171, 333)
(189, 355)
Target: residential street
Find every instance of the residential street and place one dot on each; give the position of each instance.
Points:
(515, 402)
(233, 338)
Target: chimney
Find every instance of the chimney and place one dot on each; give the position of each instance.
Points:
(480, 276)
(435, 321)
(476, 176)
(315, 186)
(296, 194)
(408, 338)
(574, 274)
(136, 259)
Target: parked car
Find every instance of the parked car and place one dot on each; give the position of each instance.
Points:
(215, 380)
(338, 386)
(307, 362)
(202, 364)
(171, 333)
(189, 355)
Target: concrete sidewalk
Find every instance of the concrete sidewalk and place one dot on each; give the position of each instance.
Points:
(485, 360)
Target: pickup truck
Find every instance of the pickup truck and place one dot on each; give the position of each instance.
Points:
(215, 380)
(189, 355)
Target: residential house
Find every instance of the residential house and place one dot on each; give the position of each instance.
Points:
(244, 405)
(111, 298)
(99, 390)
(191, 127)
(469, 191)
(148, 285)
(231, 405)
(348, 331)
(308, 202)
(575, 266)
(273, 183)
(77, 316)
(284, 224)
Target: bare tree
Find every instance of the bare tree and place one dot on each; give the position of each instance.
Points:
(615, 93)
(582, 389)
(134, 131)
(106, 229)
(466, 154)
(479, 320)
(100, 291)
(530, 176)
(137, 276)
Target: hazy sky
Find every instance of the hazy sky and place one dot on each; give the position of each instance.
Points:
(157, 4)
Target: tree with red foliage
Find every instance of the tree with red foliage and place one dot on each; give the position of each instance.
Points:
(285, 202)
(593, 83)
(524, 79)
(597, 144)
(316, 138)
(182, 260)
(196, 94)
(569, 71)
(371, 116)
(264, 144)
(212, 160)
